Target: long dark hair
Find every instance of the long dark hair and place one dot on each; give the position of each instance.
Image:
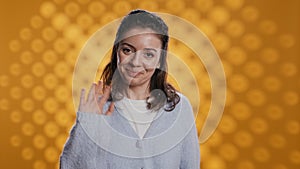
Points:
(166, 94)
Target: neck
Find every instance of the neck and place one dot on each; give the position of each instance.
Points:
(138, 92)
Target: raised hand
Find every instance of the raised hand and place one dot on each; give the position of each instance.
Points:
(96, 99)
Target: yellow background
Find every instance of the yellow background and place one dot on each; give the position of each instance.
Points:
(258, 43)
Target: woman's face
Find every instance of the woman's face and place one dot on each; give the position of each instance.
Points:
(139, 55)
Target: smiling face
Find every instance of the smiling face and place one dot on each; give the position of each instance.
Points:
(139, 55)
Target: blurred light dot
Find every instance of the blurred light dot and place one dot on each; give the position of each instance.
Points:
(60, 21)
(256, 97)
(39, 164)
(277, 141)
(16, 117)
(291, 98)
(251, 41)
(268, 27)
(261, 154)
(27, 81)
(243, 139)
(39, 93)
(15, 69)
(272, 83)
(62, 93)
(269, 55)
(229, 152)
(49, 34)
(175, 6)
(122, 7)
(4, 81)
(62, 118)
(221, 42)
(72, 9)
(51, 154)
(84, 21)
(51, 129)
(38, 69)
(235, 28)
(62, 69)
(288, 69)
(254, 69)
(236, 55)
(258, 125)
(36, 22)
(39, 117)
(250, 13)
(27, 129)
(47, 9)
(227, 124)
(71, 33)
(240, 111)
(15, 141)
(295, 156)
(238, 83)
(215, 162)
(26, 57)
(27, 153)
(245, 164)
(61, 140)
(203, 5)
(286, 40)
(219, 15)
(27, 105)
(50, 57)
(293, 127)
(234, 4)
(50, 81)
(148, 5)
(96, 8)
(61, 45)
(50, 105)
(274, 112)
(25, 34)
(39, 141)
(207, 27)
(15, 45)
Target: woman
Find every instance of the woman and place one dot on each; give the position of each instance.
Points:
(139, 120)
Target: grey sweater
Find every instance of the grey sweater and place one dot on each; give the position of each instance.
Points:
(109, 142)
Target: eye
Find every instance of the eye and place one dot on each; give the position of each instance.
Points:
(127, 51)
(149, 55)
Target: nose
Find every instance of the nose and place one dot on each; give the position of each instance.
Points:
(136, 59)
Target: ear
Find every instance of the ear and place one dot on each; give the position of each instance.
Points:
(158, 66)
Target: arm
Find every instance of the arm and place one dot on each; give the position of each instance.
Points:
(190, 153)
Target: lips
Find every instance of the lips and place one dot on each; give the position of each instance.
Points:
(132, 73)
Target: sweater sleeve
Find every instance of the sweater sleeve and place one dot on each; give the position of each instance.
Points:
(79, 150)
(190, 152)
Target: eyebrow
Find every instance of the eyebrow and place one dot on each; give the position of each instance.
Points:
(125, 43)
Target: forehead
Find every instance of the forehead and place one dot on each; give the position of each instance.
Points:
(142, 37)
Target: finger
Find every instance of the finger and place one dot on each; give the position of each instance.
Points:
(99, 87)
(82, 99)
(104, 97)
(91, 93)
(111, 109)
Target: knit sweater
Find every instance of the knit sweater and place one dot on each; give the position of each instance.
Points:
(109, 142)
